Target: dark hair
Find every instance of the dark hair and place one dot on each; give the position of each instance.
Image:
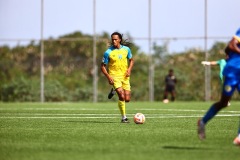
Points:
(124, 42)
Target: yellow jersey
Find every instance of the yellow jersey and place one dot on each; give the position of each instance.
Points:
(117, 60)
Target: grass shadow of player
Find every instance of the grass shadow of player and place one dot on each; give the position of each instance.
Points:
(184, 148)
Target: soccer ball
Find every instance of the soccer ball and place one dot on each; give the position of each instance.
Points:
(139, 118)
(165, 101)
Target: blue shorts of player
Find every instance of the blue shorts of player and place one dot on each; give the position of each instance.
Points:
(230, 84)
(231, 73)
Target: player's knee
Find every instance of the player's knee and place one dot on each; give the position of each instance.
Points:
(225, 104)
(122, 97)
(221, 104)
(127, 100)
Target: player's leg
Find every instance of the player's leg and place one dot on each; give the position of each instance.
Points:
(213, 110)
(121, 97)
(228, 89)
(111, 93)
(237, 139)
(126, 89)
(165, 95)
(127, 95)
(121, 104)
(114, 86)
(173, 94)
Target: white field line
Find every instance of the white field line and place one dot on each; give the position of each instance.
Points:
(93, 114)
(101, 116)
(94, 109)
(57, 114)
(107, 116)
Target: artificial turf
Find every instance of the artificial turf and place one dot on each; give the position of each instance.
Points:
(92, 131)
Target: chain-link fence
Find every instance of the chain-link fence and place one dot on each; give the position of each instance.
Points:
(58, 67)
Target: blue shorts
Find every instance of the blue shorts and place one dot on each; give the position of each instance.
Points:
(230, 84)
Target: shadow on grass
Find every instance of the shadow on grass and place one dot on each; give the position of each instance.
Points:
(184, 148)
(90, 122)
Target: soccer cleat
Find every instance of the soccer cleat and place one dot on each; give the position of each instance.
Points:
(236, 141)
(111, 94)
(201, 130)
(125, 120)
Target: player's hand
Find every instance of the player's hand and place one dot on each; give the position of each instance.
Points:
(205, 63)
(128, 73)
(110, 80)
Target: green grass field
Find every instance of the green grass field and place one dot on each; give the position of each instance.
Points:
(91, 131)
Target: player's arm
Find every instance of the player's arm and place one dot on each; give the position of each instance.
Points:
(104, 70)
(209, 63)
(233, 45)
(129, 70)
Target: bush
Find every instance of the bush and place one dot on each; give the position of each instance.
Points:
(19, 90)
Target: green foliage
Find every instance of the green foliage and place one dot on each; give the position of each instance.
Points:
(68, 70)
(20, 90)
(55, 92)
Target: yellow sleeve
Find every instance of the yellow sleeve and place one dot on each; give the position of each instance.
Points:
(237, 38)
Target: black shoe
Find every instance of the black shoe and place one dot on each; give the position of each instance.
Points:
(111, 94)
(125, 120)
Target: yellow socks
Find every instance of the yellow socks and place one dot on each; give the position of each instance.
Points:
(121, 106)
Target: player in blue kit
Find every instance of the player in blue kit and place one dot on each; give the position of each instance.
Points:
(222, 63)
(231, 82)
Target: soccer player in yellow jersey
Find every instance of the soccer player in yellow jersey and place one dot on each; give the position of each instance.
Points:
(119, 59)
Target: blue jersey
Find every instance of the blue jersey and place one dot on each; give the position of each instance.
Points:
(232, 71)
(232, 68)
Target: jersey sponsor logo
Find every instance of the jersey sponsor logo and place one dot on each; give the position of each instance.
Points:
(227, 88)
(120, 56)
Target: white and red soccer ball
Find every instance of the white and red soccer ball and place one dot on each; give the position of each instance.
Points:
(139, 118)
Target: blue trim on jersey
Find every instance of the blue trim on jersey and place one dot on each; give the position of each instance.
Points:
(105, 59)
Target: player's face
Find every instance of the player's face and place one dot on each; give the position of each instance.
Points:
(116, 41)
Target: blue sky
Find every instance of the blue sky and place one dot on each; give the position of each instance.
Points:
(21, 19)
